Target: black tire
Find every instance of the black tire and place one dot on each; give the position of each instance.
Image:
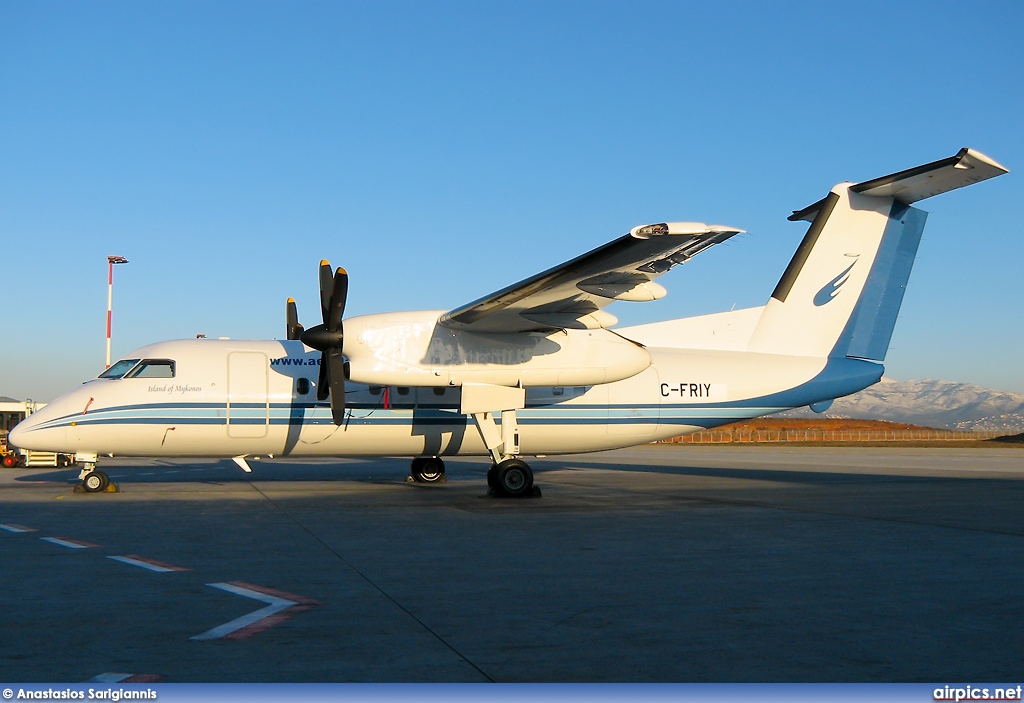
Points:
(492, 477)
(514, 478)
(427, 469)
(95, 482)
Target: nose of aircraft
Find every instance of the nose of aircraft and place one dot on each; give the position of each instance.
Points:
(42, 430)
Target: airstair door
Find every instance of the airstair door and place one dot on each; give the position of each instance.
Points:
(248, 408)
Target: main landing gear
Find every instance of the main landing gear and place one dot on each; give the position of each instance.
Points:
(511, 477)
(427, 469)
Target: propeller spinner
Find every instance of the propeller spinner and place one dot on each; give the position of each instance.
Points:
(328, 338)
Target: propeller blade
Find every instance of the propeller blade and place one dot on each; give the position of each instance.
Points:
(326, 288)
(339, 294)
(336, 374)
(322, 387)
(294, 328)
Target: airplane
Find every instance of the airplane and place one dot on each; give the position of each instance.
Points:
(536, 368)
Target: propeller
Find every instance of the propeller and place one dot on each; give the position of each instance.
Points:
(294, 328)
(327, 338)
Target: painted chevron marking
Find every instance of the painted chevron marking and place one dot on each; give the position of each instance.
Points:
(146, 563)
(280, 606)
(17, 528)
(69, 543)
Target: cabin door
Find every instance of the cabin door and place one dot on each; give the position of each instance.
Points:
(248, 408)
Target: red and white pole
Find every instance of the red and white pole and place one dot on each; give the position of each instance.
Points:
(111, 260)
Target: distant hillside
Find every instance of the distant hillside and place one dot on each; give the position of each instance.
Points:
(946, 404)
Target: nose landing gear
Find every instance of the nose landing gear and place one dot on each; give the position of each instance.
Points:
(94, 481)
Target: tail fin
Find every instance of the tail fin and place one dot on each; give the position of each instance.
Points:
(841, 292)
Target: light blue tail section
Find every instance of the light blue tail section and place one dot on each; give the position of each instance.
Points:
(870, 327)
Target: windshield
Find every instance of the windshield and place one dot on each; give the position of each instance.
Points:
(119, 369)
(153, 368)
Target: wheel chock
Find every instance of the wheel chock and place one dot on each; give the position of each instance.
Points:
(534, 492)
(111, 488)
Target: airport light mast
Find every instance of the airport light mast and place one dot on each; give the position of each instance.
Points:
(111, 260)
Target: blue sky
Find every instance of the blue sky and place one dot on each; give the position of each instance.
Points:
(442, 150)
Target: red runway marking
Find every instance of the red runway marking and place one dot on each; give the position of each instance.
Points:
(146, 563)
(275, 593)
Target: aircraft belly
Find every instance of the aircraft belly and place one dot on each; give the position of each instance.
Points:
(550, 430)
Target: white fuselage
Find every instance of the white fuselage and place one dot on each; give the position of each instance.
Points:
(239, 398)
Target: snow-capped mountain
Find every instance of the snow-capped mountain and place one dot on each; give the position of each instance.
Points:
(948, 404)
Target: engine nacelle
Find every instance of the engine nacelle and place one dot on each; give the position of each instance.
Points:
(412, 349)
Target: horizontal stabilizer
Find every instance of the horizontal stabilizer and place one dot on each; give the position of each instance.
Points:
(967, 167)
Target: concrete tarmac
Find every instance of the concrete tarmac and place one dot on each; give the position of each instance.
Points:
(661, 563)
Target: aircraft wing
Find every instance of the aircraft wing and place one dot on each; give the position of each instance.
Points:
(572, 294)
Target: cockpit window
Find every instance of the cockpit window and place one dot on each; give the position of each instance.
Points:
(119, 369)
(152, 368)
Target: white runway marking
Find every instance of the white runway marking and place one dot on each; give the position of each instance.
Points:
(281, 606)
(126, 678)
(150, 564)
(17, 528)
(69, 543)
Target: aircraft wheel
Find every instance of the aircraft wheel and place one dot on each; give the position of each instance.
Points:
(95, 481)
(492, 477)
(428, 469)
(514, 478)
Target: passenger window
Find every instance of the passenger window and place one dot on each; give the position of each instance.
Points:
(153, 368)
(402, 390)
(439, 391)
(119, 369)
(375, 390)
(302, 386)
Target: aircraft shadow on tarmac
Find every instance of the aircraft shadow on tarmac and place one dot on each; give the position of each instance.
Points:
(387, 471)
